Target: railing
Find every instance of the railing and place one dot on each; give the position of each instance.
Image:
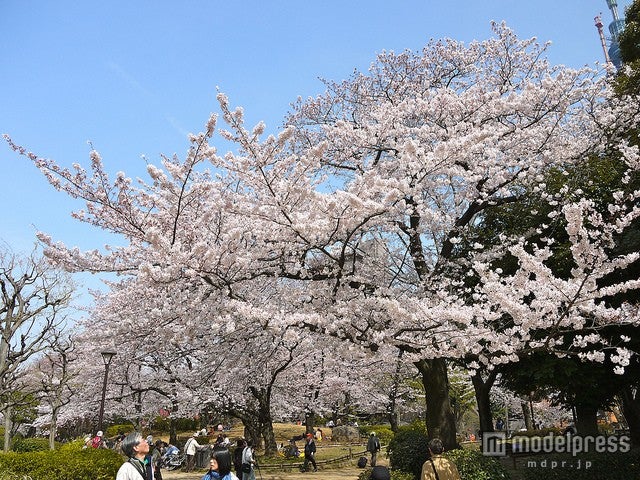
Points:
(286, 466)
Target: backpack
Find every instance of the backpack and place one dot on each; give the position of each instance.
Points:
(362, 462)
(96, 442)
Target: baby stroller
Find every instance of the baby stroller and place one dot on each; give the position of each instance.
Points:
(173, 461)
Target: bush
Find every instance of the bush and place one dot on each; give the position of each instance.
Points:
(473, 465)
(408, 449)
(114, 430)
(383, 432)
(22, 445)
(592, 466)
(88, 464)
(395, 474)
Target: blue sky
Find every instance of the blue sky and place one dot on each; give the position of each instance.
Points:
(134, 77)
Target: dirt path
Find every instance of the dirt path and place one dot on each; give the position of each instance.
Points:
(339, 473)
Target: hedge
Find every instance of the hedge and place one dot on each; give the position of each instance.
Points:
(64, 464)
(408, 451)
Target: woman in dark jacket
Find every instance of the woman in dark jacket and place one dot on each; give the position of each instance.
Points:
(237, 457)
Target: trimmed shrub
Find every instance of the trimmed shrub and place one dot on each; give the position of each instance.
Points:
(395, 474)
(473, 465)
(383, 432)
(114, 430)
(408, 449)
(87, 464)
(22, 445)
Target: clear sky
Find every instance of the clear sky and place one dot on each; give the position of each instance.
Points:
(134, 77)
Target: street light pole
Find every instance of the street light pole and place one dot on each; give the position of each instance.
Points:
(107, 355)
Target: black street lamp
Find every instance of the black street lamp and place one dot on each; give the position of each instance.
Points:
(107, 355)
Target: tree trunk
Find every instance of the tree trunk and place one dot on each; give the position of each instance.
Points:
(482, 389)
(173, 431)
(52, 429)
(392, 414)
(527, 415)
(631, 412)
(251, 432)
(265, 422)
(441, 422)
(392, 417)
(586, 420)
(309, 421)
(7, 428)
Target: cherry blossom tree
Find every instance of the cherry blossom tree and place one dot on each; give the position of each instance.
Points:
(346, 223)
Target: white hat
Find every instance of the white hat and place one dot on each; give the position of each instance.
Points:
(195, 434)
(99, 433)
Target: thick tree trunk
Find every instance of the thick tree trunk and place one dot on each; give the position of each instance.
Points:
(309, 421)
(586, 420)
(268, 435)
(440, 419)
(482, 389)
(631, 412)
(392, 417)
(252, 432)
(265, 422)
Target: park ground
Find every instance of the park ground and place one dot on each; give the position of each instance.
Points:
(338, 473)
(344, 471)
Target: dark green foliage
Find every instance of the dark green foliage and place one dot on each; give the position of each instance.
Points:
(383, 432)
(612, 466)
(395, 474)
(408, 452)
(183, 424)
(408, 449)
(114, 430)
(630, 39)
(88, 464)
(473, 465)
(22, 445)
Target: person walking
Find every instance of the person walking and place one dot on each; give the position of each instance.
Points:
(237, 456)
(437, 467)
(156, 459)
(136, 448)
(310, 453)
(190, 449)
(373, 447)
(248, 462)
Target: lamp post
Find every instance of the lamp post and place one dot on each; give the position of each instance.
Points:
(107, 355)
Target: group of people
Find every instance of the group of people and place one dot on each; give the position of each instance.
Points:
(145, 459)
(142, 464)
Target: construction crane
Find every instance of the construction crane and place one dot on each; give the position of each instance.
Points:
(603, 41)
